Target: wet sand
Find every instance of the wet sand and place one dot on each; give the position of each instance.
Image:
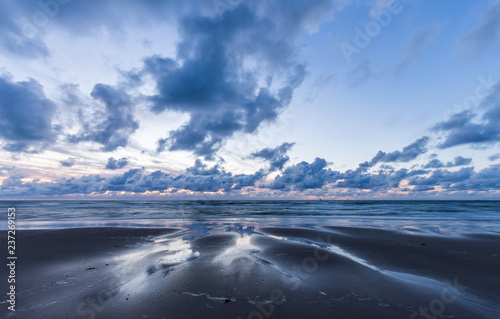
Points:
(235, 271)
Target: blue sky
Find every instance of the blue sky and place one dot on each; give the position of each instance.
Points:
(250, 99)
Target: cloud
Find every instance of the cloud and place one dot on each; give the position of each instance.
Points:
(6, 170)
(422, 37)
(225, 53)
(68, 162)
(319, 85)
(494, 157)
(408, 153)
(484, 180)
(200, 169)
(25, 116)
(485, 34)
(375, 181)
(465, 178)
(434, 163)
(236, 68)
(209, 79)
(24, 24)
(458, 161)
(14, 186)
(19, 37)
(360, 74)
(469, 127)
(442, 178)
(276, 157)
(111, 126)
(374, 161)
(116, 163)
(461, 130)
(387, 177)
(304, 176)
(134, 180)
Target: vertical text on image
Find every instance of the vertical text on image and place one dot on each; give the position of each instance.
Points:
(11, 257)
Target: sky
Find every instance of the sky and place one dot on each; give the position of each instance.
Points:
(237, 99)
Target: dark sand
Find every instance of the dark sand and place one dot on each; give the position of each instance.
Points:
(266, 273)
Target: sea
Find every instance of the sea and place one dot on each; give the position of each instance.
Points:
(431, 217)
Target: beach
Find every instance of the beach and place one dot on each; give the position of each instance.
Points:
(234, 270)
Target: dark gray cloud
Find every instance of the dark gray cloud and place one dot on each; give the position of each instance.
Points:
(484, 180)
(276, 157)
(461, 130)
(25, 116)
(209, 79)
(134, 180)
(457, 161)
(202, 169)
(114, 163)
(111, 126)
(381, 180)
(485, 34)
(69, 162)
(304, 176)
(14, 186)
(311, 178)
(137, 181)
(386, 177)
(494, 157)
(470, 127)
(442, 178)
(408, 153)
(422, 37)
(434, 163)
(374, 161)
